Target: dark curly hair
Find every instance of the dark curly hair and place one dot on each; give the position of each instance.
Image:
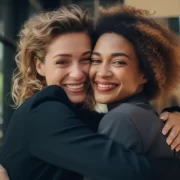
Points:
(157, 48)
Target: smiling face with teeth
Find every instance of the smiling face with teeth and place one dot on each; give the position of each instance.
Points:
(114, 72)
(67, 64)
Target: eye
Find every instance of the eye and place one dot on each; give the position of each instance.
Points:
(119, 63)
(62, 62)
(86, 60)
(95, 61)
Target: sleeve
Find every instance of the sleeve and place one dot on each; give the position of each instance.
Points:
(119, 127)
(58, 137)
(91, 118)
(172, 109)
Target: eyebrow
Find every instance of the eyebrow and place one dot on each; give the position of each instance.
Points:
(121, 54)
(70, 55)
(113, 54)
(95, 53)
(88, 52)
(64, 55)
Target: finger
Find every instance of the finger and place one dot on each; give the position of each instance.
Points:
(178, 148)
(172, 135)
(167, 127)
(175, 142)
(164, 116)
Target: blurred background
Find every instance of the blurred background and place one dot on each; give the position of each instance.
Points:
(13, 13)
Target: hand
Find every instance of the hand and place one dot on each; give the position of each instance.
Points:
(3, 173)
(172, 126)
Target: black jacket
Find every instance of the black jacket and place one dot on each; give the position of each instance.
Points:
(47, 141)
(135, 124)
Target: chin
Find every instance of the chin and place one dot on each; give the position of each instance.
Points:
(77, 100)
(102, 100)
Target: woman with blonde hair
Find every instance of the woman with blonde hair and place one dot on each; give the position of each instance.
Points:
(47, 138)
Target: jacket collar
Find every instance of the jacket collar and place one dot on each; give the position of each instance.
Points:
(134, 99)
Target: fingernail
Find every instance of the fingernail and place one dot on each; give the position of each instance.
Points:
(169, 142)
(161, 116)
(164, 132)
(164, 115)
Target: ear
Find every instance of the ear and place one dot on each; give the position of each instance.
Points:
(39, 67)
(143, 79)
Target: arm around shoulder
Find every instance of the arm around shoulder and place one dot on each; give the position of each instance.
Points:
(58, 137)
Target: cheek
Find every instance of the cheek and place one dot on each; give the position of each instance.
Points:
(127, 77)
(137, 76)
(86, 69)
(121, 74)
(55, 77)
(132, 80)
(92, 71)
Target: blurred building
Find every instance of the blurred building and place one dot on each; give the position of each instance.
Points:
(13, 13)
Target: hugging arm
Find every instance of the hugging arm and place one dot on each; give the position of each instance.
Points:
(61, 139)
(65, 141)
(58, 137)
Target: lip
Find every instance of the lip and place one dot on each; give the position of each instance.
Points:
(76, 87)
(105, 86)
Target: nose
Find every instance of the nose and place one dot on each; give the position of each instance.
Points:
(77, 72)
(104, 71)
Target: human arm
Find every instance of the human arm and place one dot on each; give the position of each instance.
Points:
(89, 117)
(58, 137)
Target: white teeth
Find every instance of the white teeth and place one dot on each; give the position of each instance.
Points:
(78, 86)
(106, 85)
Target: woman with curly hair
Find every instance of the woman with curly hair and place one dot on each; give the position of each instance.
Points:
(47, 137)
(135, 60)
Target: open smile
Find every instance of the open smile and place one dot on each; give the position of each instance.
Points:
(105, 86)
(75, 88)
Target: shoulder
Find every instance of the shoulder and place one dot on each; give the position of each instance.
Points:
(47, 109)
(50, 94)
(116, 119)
(49, 100)
(141, 116)
(136, 112)
(120, 127)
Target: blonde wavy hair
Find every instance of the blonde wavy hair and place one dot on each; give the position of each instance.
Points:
(34, 39)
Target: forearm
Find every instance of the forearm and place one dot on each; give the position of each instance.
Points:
(70, 144)
(91, 118)
(75, 147)
(172, 109)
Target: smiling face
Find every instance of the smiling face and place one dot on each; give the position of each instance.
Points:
(67, 64)
(114, 71)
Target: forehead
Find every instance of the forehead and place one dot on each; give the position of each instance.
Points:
(113, 42)
(70, 43)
